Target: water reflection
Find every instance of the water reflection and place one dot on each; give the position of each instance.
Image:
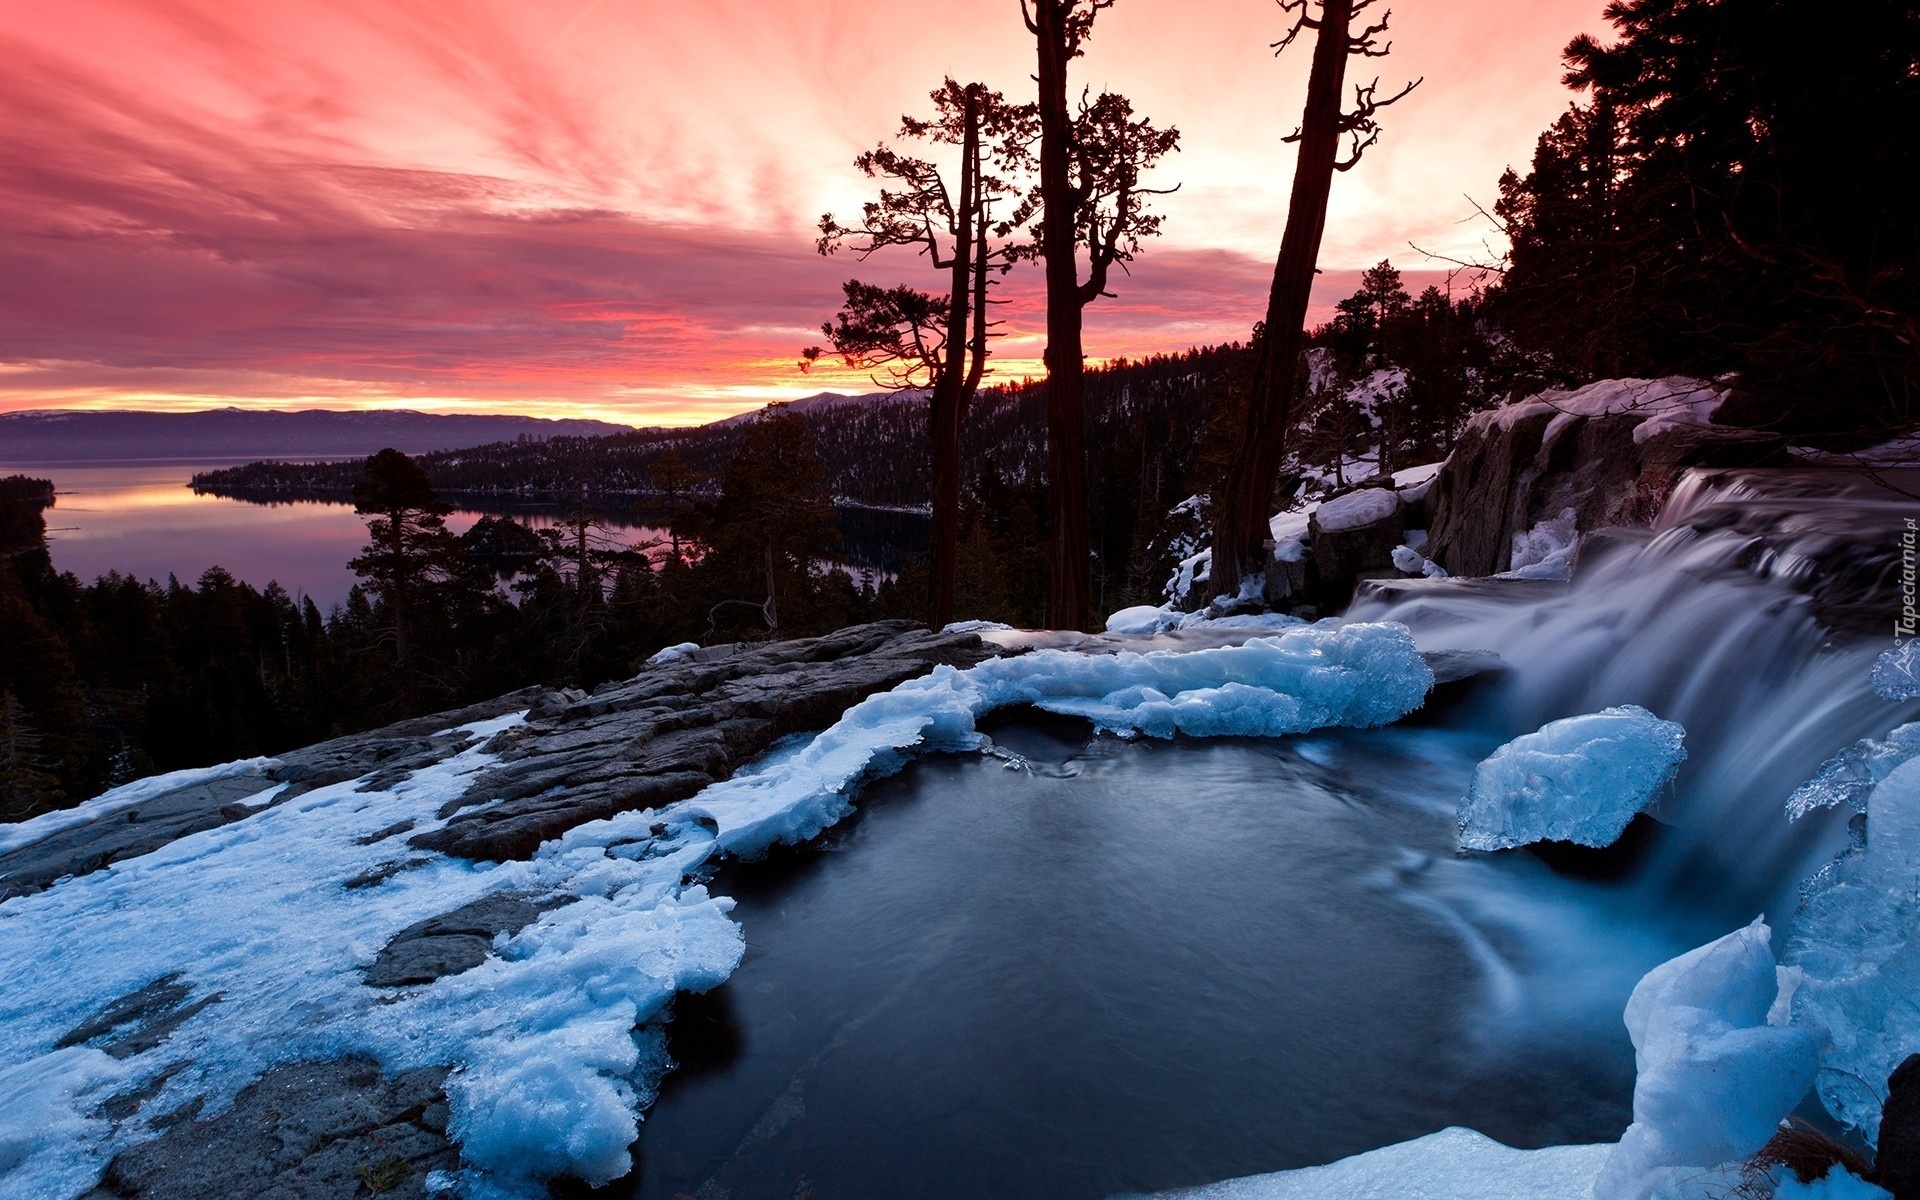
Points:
(142, 519)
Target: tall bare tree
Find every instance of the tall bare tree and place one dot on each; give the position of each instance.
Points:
(1242, 508)
(916, 338)
(1092, 156)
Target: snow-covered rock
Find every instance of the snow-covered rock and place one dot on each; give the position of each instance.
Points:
(1718, 1069)
(1368, 506)
(1854, 937)
(1580, 779)
(1353, 535)
(1611, 452)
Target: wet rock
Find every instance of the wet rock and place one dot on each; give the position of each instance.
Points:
(1897, 1164)
(1604, 864)
(675, 728)
(451, 942)
(1511, 471)
(312, 1131)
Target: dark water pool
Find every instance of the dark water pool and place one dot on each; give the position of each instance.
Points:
(1132, 966)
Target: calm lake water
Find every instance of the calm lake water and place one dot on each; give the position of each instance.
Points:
(141, 519)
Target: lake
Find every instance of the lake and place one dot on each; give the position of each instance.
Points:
(141, 518)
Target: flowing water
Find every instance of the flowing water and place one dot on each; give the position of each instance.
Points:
(1136, 965)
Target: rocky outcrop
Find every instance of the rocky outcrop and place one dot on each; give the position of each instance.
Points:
(451, 942)
(658, 737)
(1353, 535)
(142, 828)
(1611, 461)
(675, 728)
(313, 1131)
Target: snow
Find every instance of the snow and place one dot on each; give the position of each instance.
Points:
(24, 833)
(1579, 779)
(255, 915)
(1356, 510)
(1717, 1069)
(1901, 451)
(1412, 562)
(975, 627)
(1546, 550)
(1854, 938)
(674, 653)
(1836, 1184)
(1306, 677)
(1662, 405)
(1454, 1164)
(555, 1038)
(1141, 618)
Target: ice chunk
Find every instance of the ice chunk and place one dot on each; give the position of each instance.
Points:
(1896, 673)
(1854, 940)
(1715, 1074)
(1454, 1164)
(1305, 677)
(1357, 509)
(1546, 550)
(1579, 779)
(1849, 777)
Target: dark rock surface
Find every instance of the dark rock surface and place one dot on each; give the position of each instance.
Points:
(1343, 556)
(450, 943)
(147, 826)
(675, 728)
(312, 1131)
(1505, 476)
(140, 1020)
(1897, 1164)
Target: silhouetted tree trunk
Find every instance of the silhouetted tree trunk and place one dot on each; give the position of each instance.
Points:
(1090, 164)
(1241, 511)
(954, 385)
(921, 339)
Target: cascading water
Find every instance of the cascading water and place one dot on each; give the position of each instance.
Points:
(1743, 615)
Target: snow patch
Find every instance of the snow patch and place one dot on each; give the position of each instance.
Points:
(1454, 1164)
(1356, 510)
(1662, 404)
(1579, 779)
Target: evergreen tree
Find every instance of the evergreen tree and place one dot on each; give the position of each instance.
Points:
(408, 558)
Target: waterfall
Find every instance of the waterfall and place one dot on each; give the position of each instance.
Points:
(1751, 613)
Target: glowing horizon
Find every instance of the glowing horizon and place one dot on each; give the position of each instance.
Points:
(482, 207)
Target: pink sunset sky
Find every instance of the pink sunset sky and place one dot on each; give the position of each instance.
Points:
(606, 207)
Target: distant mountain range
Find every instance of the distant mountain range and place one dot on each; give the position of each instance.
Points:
(70, 436)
